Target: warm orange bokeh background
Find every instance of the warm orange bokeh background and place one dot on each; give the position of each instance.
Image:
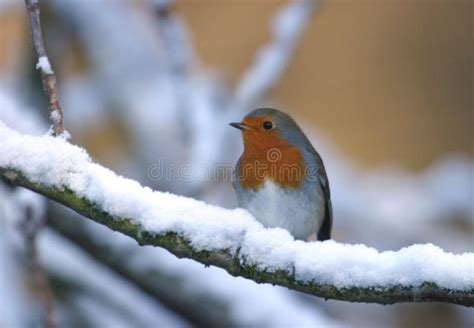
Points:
(387, 81)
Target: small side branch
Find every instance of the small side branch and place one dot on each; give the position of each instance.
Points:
(47, 75)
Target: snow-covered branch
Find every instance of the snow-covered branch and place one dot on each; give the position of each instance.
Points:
(47, 75)
(232, 239)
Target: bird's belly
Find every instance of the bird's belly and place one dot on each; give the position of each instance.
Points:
(300, 211)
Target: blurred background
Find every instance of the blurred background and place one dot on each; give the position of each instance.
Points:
(384, 89)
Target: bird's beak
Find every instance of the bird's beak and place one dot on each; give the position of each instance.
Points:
(240, 126)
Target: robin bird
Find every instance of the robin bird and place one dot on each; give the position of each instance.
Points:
(280, 178)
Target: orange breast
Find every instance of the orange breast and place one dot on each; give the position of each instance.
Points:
(267, 156)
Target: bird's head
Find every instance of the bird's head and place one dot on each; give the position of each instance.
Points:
(265, 128)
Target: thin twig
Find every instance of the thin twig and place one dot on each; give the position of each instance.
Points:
(47, 75)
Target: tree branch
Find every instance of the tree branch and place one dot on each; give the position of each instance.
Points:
(47, 75)
(182, 248)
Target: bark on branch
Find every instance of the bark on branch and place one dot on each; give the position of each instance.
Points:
(47, 75)
(179, 246)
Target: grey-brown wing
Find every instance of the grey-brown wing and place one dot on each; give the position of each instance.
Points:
(324, 232)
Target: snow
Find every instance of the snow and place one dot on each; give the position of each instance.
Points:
(55, 162)
(55, 116)
(249, 304)
(44, 65)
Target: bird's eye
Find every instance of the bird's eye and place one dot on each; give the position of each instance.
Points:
(268, 125)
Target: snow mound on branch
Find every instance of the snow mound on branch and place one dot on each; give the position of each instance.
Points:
(54, 162)
(44, 65)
